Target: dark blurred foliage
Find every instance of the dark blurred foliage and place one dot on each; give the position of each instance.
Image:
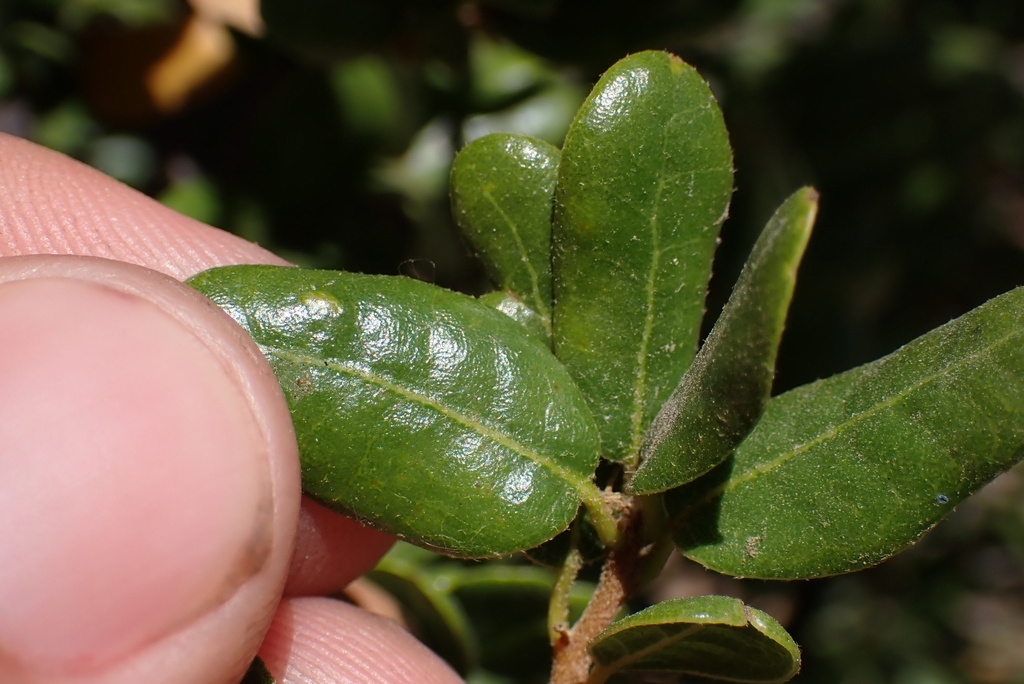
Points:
(326, 132)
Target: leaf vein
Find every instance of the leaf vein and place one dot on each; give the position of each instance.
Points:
(580, 484)
(837, 429)
(639, 388)
(634, 656)
(538, 302)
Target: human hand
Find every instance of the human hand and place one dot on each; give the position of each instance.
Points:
(150, 513)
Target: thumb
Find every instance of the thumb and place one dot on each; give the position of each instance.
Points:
(148, 479)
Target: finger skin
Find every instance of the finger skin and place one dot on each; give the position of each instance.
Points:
(52, 204)
(311, 637)
(331, 551)
(92, 561)
(55, 205)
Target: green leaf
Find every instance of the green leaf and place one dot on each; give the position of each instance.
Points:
(723, 394)
(643, 187)
(502, 190)
(707, 636)
(419, 410)
(581, 537)
(514, 308)
(845, 472)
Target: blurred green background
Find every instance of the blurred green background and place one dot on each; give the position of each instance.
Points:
(325, 131)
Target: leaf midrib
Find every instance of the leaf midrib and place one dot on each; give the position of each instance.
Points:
(640, 386)
(540, 305)
(580, 484)
(625, 661)
(620, 664)
(837, 429)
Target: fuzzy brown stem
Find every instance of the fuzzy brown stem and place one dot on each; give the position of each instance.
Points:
(572, 661)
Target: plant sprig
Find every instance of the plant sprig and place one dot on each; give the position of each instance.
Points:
(476, 427)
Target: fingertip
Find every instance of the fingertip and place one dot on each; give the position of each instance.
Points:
(53, 204)
(146, 446)
(331, 551)
(322, 639)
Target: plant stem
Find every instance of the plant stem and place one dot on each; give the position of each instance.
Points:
(558, 608)
(572, 661)
(606, 523)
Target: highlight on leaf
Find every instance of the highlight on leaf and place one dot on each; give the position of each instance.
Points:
(502, 189)
(475, 427)
(375, 370)
(633, 238)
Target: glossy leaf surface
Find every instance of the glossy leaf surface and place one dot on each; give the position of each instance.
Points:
(643, 187)
(708, 636)
(723, 393)
(517, 310)
(502, 192)
(845, 472)
(419, 410)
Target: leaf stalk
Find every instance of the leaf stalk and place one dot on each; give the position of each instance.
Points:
(572, 660)
(558, 608)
